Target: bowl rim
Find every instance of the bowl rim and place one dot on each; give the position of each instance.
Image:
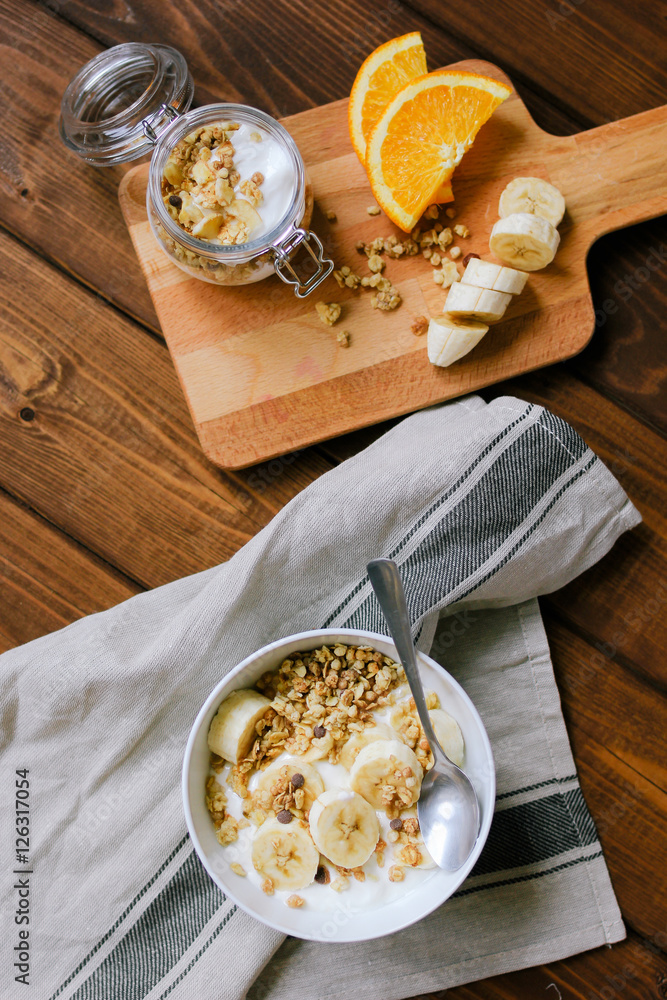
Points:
(215, 697)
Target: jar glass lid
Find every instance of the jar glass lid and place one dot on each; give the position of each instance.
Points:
(104, 107)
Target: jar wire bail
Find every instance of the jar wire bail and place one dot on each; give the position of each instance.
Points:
(285, 250)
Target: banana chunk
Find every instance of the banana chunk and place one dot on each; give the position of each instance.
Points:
(232, 731)
(296, 777)
(209, 227)
(286, 854)
(387, 774)
(485, 274)
(345, 827)
(527, 242)
(449, 735)
(481, 304)
(405, 720)
(350, 750)
(535, 196)
(449, 339)
(320, 747)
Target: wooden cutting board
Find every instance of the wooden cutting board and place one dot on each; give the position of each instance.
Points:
(263, 376)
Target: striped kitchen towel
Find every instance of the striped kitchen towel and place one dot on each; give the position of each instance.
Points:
(483, 507)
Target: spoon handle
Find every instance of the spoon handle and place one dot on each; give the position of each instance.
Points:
(386, 583)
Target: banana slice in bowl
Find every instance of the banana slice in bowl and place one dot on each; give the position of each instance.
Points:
(232, 731)
(295, 776)
(387, 774)
(344, 827)
(535, 196)
(351, 749)
(286, 854)
(405, 720)
(448, 734)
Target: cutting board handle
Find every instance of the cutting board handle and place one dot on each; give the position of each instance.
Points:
(619, 173)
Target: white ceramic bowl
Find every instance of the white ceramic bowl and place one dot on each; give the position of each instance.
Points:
(345, 922)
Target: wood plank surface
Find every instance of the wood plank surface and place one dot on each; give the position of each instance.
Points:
(47, 579)
(78, 445)
(627, 356)
(74, 221)
(74, 359)
(599, 59)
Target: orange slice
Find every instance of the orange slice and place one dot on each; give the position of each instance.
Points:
(380, 78)
(422, 136)
(444, 194)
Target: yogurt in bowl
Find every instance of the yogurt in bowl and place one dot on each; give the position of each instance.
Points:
(303, 787)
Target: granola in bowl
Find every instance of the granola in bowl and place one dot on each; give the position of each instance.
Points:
(324, 759)
(308, 817)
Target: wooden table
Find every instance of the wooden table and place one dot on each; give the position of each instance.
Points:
(104, 491)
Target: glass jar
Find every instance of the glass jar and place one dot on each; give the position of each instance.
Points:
(132, 101)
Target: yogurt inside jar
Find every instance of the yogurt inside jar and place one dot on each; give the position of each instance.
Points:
(228, 183)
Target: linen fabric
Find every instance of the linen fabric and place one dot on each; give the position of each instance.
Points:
(483, 507)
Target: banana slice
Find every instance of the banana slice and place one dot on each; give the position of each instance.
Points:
(405, 720)
(209, 227)
(345, 827)
(481, 304)
(449, 338)
(484, 274)
(286, 854)
(319, 747)
(360, 740)
(243, 210)
(190, 211)
(533, 195)
(525, 241)
(449, 735)
(387, 774)
(281, 774)
(232, 731)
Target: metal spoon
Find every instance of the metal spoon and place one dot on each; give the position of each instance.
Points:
(447, 809)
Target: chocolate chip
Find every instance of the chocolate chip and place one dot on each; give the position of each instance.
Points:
(297, 780)
(396, 824)
(284, 816)
(322, 875)
(175, 200)
(319, 732)
(470, 256)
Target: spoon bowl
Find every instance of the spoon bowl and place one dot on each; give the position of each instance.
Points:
(448, 808)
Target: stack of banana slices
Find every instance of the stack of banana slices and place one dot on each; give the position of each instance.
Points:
(524, 239)
(525, 235)
(478, 299)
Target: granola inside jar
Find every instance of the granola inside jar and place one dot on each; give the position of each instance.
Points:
(227, 185)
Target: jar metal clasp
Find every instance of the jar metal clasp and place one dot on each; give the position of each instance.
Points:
(156, 123)
(283, 252)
